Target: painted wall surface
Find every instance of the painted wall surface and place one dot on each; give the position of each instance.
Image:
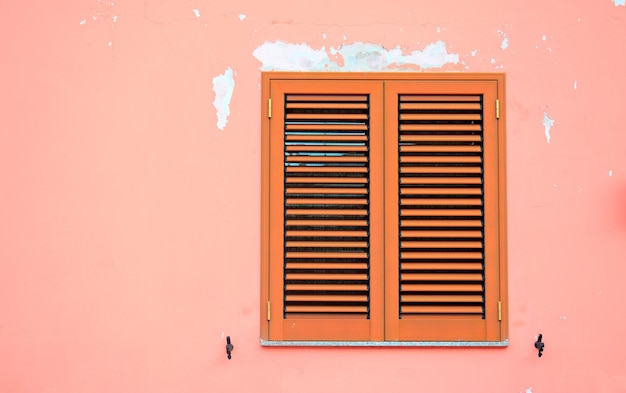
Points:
(130, 186)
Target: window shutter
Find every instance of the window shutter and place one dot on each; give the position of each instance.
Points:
(326, 195)
(442, 211)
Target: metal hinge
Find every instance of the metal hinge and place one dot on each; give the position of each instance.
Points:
(268, 311)
(499, 310)
(497, 109)
(269, 108)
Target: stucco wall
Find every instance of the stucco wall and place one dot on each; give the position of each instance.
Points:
(128, 251)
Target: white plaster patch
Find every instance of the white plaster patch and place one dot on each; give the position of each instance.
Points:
(547, 123)
(242, 16)
(504, 44)
(196, 12)
(82, 22)
(358, 56)
(529, 390)
(474, 52)
(610, 172)
(575, 85)
(223, 86)
(619, 2)
(543, 37)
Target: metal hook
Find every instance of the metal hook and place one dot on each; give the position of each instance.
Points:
(539, 345)
(229, 347)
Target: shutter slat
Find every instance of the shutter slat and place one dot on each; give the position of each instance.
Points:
(448, 277)
(326, 128)
(314, 234)
(327, 223)
(325, 309)
(439, 138)
(439, 117)
(327, 180)
(327, 298)
(441, 223)
(439, 106)
(325, 148)
(442, 298)
(441, 244)
(440, 149)
(404, 98)
(418, 202)
(339, 98)
(325, 105)
(441, 180)
(325, 277)
(440, 191)
(325, 190)
(429, 287)
(439, 169)
(324, 116)
(443, 234)
(456, 127)
(325, 266)
(325, 138)
(317, 243)
(439, 309)
(348, 287)
(440, 255)
(325, 254)
(441, 159)
(449, 266)
(440, 212)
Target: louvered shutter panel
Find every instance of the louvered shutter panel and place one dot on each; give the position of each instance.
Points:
(442, 211)
(326, 194)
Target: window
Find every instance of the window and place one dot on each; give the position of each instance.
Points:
(383, 208)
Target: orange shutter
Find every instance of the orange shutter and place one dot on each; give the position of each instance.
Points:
(442, 246)
(325, 227)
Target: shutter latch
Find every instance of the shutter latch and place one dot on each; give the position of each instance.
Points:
(268, 311)
(497, 109)
(499, 310)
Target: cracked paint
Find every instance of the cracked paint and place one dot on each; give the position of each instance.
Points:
(223, 86)
(357, 56)
(547, 123)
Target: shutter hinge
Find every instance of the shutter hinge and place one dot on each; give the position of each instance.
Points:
(499, 310)
(497, 109)
(268, 311)
(269, 108)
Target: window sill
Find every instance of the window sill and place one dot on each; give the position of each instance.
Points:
(265, 343)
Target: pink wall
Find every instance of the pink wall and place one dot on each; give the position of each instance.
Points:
(128, 252)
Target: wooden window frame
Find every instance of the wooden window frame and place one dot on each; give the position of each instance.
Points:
(383, 327)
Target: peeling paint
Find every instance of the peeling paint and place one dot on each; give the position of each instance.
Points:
(242, 16)
(619, 2)
(529, 390)
(84, 21)
(610, 172)
(358, 56)
(223, 86)
(575, 85)
(505, 40)
(547, 123)
(196, 12)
